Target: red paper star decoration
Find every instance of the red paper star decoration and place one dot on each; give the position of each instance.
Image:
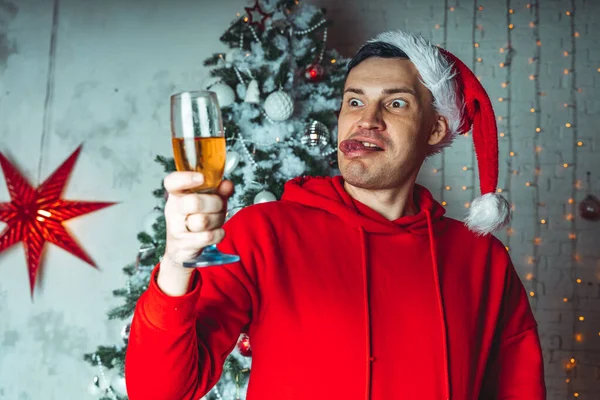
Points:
(36, 216)
(256, 16)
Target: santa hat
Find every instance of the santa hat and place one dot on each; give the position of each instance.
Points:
(460, 98)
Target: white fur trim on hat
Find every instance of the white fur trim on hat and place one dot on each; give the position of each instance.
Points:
(436, 74)
(488, 213)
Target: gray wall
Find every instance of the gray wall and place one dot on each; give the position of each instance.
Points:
(106, 85)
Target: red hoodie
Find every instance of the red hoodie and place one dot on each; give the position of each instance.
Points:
(341, 303)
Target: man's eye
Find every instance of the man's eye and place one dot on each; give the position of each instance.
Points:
(355, 103)
(399, 103)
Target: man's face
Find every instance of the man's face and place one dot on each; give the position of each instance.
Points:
(385, 124)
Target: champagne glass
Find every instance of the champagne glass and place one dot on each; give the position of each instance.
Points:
(199, 145)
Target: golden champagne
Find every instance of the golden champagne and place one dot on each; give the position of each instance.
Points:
(201, 154)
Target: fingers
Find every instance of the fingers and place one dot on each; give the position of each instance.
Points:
(196, 241)
(225, 189)
(180, 181)
(187, 246)
(200, 203)
(204, 222)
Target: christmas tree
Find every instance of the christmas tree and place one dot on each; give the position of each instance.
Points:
(279, 89)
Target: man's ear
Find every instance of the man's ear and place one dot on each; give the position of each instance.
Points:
(439, 130)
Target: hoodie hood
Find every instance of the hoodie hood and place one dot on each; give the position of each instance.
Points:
(328, 194)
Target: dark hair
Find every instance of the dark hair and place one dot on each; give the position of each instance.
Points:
(375, 49)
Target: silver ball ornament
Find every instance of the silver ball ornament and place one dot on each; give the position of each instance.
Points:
(264, 197)
(315, 134)
(231, 161)
(279, 106)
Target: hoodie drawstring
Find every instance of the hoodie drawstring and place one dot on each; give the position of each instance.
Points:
(367, 315)
(438, 289)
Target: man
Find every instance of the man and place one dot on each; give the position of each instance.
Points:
(356, 286)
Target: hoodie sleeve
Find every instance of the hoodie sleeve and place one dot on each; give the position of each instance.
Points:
(177, 345)
(515, 369)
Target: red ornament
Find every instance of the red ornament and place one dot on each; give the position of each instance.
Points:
(243, 345)
(35, 216)
(314, 72)
(256, 16)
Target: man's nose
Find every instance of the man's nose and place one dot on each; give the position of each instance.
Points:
(372, 118)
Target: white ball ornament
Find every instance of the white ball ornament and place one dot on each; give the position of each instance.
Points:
(264, 197)
(209, 81)
(225, 94)
(279, 106)
(118, 384)
(94, 389)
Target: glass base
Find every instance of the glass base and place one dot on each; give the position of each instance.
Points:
(211, 256)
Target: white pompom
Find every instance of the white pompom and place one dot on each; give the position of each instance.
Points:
(279, 106)
(488, 213)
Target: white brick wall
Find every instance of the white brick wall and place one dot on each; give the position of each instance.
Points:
(117, 61)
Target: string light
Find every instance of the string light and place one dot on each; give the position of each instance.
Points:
(443, 155)
(572, 105)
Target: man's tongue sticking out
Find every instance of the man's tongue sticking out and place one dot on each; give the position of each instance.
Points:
(350, 146)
